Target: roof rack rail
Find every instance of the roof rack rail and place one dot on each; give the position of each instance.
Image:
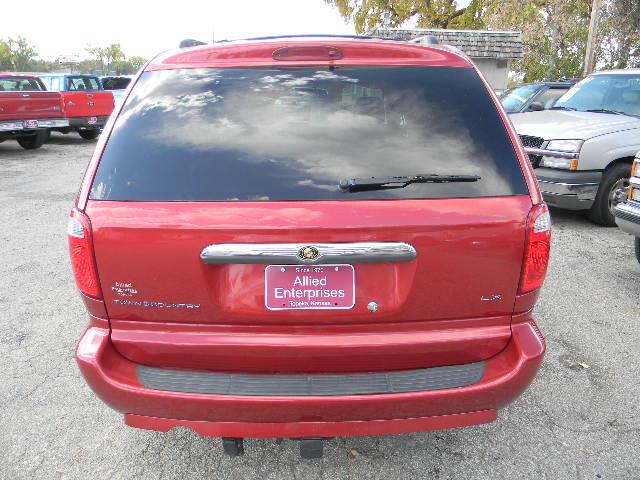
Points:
(312, 35)
(424, 40)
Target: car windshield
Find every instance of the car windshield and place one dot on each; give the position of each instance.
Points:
(613, 92)
(513, 100)
(82, 83)
(17, 84)
(294, 134)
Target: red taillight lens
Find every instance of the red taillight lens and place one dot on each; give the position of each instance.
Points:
(81, 251)
(537, 248)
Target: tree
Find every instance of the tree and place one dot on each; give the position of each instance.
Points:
(554, 33)
(99, 58)
(368, 14)
(133, 64)
(619, 34)
(21, 53)
(110, 58)
(5, 55)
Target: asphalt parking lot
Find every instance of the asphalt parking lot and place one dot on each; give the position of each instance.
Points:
(580, 419)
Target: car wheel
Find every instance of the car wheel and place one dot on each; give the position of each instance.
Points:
(638, 249)
(89, 134)
(612, 190)
(33, 141)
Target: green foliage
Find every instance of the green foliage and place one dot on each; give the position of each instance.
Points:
(133, 64)
(18, 55)
(109, 59)
(554, 32)
(368, 14)
(5, 55)
(620, 34)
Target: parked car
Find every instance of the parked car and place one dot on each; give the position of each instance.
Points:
(531, 97)
(262, 267)
(116, 85)
(27, 110)
(627, 213)
(583, 147)
(86, 105)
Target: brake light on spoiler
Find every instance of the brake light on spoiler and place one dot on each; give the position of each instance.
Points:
(537, 249)
(306, 53)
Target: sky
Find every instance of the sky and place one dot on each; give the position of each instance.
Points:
(147, 27)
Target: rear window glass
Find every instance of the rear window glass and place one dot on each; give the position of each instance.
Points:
(294, 134)
(17, 84)
(82, 83)
(115, 83)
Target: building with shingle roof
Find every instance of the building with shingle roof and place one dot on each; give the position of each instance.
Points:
(491, 51)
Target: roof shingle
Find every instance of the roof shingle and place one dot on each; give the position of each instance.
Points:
(475, 43)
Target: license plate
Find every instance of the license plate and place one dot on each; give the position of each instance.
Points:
(31, 124)
(318, 287)
(93, 120)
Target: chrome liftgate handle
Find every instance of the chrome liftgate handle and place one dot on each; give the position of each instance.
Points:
(307, 253)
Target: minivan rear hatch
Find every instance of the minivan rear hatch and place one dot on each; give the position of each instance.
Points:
(217, 204)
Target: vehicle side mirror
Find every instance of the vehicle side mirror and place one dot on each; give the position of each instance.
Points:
(536, 106)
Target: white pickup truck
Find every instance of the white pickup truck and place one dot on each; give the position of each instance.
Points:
(582, 148)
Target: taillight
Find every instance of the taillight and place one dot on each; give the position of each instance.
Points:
(537, 248)
(81, 251)
(633, 193)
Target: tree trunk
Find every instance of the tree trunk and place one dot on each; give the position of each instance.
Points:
(554, 52)
(624, 53)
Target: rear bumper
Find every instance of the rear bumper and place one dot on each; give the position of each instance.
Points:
(566, 189)
(628, 217)
(88, 122)
(42, 123)
(505, 377)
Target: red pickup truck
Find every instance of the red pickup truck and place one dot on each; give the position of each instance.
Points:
(87, 105)
(27, 110)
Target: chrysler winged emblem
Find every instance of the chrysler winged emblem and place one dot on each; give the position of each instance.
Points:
(308, 253)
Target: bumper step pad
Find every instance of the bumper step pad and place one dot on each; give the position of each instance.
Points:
(435, 378)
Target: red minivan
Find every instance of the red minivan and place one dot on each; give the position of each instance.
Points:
(306, 238)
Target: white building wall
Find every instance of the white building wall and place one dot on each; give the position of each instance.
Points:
(495, 71)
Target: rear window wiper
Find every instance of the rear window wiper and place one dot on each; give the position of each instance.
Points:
(386, 183)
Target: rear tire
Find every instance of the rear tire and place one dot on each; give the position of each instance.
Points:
(638, 249)
(91, 134)
(612, 191)
(33, 142)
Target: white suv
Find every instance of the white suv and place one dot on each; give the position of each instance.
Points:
(583, 147)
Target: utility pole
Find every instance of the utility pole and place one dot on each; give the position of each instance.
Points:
(590, 54)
